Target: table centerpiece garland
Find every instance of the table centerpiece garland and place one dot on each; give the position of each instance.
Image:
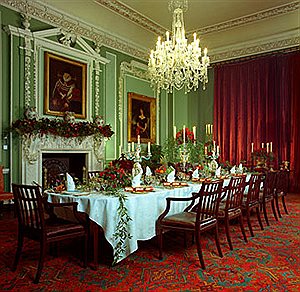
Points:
(111, 181)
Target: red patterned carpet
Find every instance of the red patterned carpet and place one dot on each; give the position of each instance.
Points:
(270, 261)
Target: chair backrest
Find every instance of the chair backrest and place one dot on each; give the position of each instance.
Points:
(29, 208)
(92, 174)
(282, 181)
(235, 192)
(254, 188)
(269, 184)
(209, 199)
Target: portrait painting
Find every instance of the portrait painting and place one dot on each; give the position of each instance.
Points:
(65, 86)
(141, 118)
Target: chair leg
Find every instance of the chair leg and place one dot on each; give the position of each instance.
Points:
(185, 239)
(265, 213)
(258, 218)
(199, 250)
(85, 253)
(217, 239)
(228, 233)
(249, 222)
(273, 209)
(19, 250)
(41, 261)
(277, 206)
(284, 205)
(160, 243)
(242, 227)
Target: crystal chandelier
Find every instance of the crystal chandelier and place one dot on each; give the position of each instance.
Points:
(175, 63)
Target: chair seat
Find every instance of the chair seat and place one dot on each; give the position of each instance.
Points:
(232, 213)
(62, 227)
(187, 220)
(6, 196)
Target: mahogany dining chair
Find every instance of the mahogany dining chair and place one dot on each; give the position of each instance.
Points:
(35, 224)
(251, 200)
(231, 205)
(198, 217)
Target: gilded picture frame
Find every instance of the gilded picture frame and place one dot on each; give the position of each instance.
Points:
(141, 118)
(65, 83)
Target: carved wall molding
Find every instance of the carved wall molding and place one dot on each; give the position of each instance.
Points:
(254, 49)
(252, 18)
(132, 15)
(56, 18)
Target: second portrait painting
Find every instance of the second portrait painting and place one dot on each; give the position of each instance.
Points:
(141, 118)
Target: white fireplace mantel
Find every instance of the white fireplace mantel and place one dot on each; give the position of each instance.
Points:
(34, 146)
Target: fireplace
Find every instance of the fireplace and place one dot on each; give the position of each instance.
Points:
(56, 165)
(70, 154)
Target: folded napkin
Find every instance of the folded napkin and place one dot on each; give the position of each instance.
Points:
(233, 170)
(195, 173)
(70, 183)
(218, 171)
(171, 176)
(136, 181)
(148, 171)
(137, 172)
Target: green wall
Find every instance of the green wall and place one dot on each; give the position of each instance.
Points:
(195, 108)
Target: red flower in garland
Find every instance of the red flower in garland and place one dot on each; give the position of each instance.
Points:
(189, 136)
(60, 128)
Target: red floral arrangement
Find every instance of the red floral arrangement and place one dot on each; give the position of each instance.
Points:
(262, 154)
(116, 176)
(189, 136)
(61, 128)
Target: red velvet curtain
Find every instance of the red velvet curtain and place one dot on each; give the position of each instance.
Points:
(257, 101)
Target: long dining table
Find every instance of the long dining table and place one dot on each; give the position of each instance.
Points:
(143, 210)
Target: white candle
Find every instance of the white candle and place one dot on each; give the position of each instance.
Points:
(262, 145)
(183, 134)
(132, 146)
(271, 147)
(211, 128)
(139, 140)
(206, 129)
(149, 151)
(218, 150)
(128, 146)
(194, 132)
(267, 147)
(252, 147)
(174, 132)
(214, 145)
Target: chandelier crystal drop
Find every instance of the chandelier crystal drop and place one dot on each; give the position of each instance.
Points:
(175, 63)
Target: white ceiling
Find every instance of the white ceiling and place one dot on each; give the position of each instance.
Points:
(229, 28)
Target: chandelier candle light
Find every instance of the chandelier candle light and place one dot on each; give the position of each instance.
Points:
(175, 63)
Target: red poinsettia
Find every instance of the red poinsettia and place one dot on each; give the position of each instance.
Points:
(189, 136)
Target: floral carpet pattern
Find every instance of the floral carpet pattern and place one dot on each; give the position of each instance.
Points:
(270, 261)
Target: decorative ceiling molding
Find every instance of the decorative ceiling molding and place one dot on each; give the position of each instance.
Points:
(249, 50)
(132, 15)
(262, 15)
(143, 21)
(56, 18)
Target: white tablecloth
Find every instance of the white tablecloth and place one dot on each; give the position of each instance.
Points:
(143, 209)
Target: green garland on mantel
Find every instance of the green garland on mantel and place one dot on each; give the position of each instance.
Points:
(63, 128)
